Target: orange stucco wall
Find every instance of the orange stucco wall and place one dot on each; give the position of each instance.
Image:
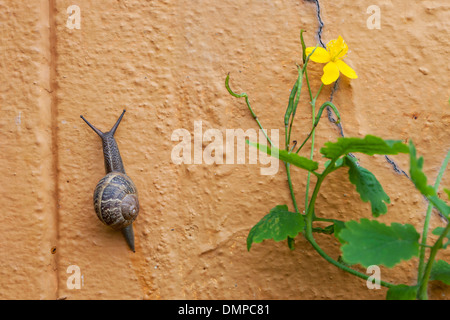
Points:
(166, 62)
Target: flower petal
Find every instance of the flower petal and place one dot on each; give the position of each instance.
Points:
(330, 73)
(346, 70)
(337, 48)
(320, 55)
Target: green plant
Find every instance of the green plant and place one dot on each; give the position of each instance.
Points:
(365, 242)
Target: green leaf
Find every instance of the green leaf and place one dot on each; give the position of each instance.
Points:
(291, 243)
(368, 187)
(441, 271)
(286, 156)
(278, 225)
(370, 242)
(417, 176)
(419, 179)
(440, 205)
(438, 231)
(447, 191)
(338, 227)
(402, 292)
(368, 145)
(339, 162)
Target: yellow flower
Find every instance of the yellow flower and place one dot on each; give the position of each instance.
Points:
(336, 50)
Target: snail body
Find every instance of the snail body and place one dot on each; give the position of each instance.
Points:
(115, 196)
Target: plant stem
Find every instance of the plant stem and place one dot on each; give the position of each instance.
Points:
(427, 219)
(294, 97)
(309, 87)
(309, 230)
(319, 114)
(313, 111)
(318, 92)
(244, 95)
(340, 265)
(422, 292)
(325, 219)
(320, 178)
(291, 188)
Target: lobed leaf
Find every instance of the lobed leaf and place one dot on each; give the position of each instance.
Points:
(287, 156)
(278, 225)
(402, 292)
(368, 145)
(338, 227)
(370, 242)
(367, 186)
(441, 271)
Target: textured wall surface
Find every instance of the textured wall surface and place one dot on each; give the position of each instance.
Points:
(166, 62)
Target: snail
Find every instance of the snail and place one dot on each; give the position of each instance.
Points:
(115, 196)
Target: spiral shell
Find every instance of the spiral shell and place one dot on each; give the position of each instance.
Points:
(116, 200)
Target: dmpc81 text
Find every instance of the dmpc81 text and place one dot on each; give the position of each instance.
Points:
(245, 309)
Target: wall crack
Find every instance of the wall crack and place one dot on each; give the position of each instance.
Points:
(330, 114)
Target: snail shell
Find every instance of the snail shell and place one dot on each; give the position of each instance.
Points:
(116, 200)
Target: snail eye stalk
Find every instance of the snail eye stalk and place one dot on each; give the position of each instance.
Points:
(92, 127)
(113, 130)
